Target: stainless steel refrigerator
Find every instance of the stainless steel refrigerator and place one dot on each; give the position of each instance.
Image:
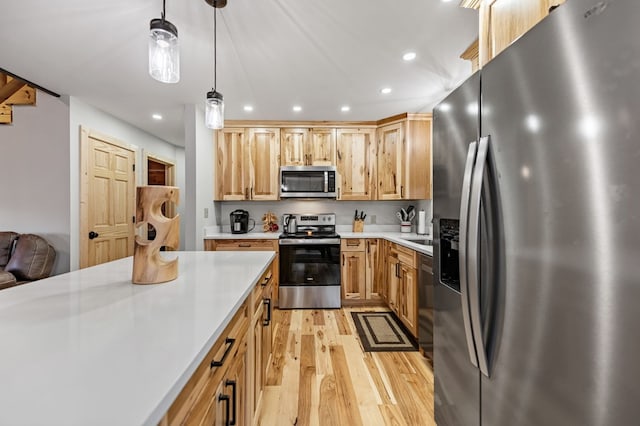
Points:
(537, 228)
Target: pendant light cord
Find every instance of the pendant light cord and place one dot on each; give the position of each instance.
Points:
(215, 13)
(163, 9)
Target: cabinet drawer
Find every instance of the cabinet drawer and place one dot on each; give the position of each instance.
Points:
(193, 401)
(265, 282)
(248, 245)
(405, 255)
(352, 244)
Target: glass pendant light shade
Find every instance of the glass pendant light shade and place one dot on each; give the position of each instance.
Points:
(214, 110)
(164, 55)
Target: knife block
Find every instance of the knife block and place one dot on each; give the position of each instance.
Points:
(358, 225)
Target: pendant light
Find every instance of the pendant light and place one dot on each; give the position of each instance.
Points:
(164, 56)
(214, 105)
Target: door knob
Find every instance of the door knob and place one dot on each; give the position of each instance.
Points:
(93, 235)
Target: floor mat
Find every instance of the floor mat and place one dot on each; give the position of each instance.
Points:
(381, 332)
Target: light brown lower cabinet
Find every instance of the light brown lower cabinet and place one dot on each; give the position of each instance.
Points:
(228, 406)
(262, 340)
(373, 269)
(227, 386)
(352, 264)
(402, 285)
(360, 270)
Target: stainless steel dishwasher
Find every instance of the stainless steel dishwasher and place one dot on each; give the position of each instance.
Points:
(425, 304)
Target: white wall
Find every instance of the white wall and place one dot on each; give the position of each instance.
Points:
(85, 115)
(35, 174)
(199, 162)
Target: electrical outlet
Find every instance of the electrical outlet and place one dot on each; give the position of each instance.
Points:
(373, 219)
(206, 213)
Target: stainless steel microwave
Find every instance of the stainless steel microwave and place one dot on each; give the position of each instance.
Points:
(307, 182)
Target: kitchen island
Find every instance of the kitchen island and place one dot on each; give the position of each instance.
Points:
(90, 348)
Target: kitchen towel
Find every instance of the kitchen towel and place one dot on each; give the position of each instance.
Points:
(422, 223)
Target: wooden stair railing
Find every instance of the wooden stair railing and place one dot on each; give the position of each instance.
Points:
(13, 91)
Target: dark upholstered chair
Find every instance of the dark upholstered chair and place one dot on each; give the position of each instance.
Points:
(24, 258)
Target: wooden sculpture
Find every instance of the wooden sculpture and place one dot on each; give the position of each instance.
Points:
(148, 266)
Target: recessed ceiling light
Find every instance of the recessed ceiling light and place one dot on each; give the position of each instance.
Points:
(297, 108)
(385, 90)
(156, 117)
(409, 56)
(248, 108)
(345, 108)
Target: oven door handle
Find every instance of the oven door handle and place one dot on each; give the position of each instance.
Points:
(310, 241)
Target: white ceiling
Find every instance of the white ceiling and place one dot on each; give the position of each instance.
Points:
(272, 54)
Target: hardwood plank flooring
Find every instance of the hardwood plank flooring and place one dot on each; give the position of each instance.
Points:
(320, 376)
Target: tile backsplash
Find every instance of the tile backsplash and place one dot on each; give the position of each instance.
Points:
(378, 212)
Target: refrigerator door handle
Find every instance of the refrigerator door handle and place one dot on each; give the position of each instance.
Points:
(462, 251)
(474, 254)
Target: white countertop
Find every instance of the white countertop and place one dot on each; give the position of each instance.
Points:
(249, 236)
(90, 348)
(396, 237)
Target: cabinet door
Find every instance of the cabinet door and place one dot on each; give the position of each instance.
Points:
(235, 385)
(293, 147)
(267, 334)
(417, 170)
(256, 367)
(391, 161)
(393, 265)
(503, 21)
(230, 165)
(229, 404)
(408, 309)
(383, 270)
(373, 277)
(355, 157)
(321, 149)
(264, 169)
(353, 275)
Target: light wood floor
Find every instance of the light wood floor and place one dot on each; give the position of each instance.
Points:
(320, 375)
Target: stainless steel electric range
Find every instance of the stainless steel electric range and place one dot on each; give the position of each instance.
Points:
(310, 263)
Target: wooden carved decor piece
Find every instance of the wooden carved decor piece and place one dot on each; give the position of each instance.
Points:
(148, 266)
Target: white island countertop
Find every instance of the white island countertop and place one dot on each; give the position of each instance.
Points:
(90, 348)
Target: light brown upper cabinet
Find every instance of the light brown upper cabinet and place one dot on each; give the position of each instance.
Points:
(404, 157)
(308, 147)
(385, 160)
(264, 169)
(503, 21)
(391, 162)
(355, 163)
(247, 166)
(230, 164)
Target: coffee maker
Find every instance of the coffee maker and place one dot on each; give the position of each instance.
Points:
(239, 220)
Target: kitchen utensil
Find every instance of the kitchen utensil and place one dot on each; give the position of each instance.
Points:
(290, 224)
(411, 215)
(404, 214)
(399, 215)
(422, 225)
(239, 220)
